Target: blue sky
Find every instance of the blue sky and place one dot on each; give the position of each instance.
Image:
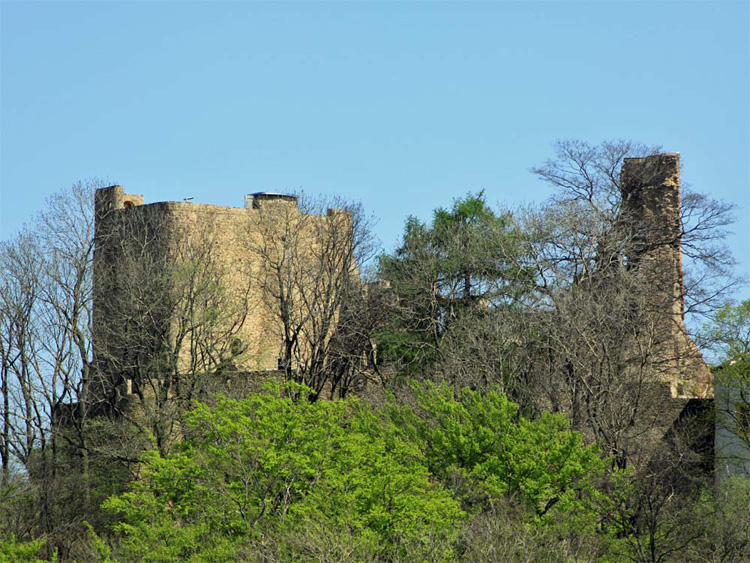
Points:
(402, 106)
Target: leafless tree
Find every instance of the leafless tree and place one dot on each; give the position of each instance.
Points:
(588, 179)
(167, 319)
(306, 259)
(600, 342)
(20, 344)
(354, 356)
(45, 345)
(46, 310)
(664, 510)
(592, 352)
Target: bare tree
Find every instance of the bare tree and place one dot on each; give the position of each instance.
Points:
(305, 257)
(45, 350)
(167, 319)
(666, 510)
(590, 185)
(354, 356)
(591, 350)
(608, 322)
(22, 421)
(46, 310)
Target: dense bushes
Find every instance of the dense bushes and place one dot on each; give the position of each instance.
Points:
(437, 475)
(393, 482)
(272, 464)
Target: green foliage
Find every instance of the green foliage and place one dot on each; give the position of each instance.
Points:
(733, 383)
(727, 525)
(479, 249)
(98, 548)
(59, 506)
(468, 258)
(250, 467)
(479, 441)
(13, 551)
(728, 333)
(453, 475)
(337, 479)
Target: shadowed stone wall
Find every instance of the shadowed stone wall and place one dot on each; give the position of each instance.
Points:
(137, 243)
(651, 217)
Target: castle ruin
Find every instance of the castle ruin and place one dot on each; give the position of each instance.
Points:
(651, 211)
(142, 249)
(194, 287)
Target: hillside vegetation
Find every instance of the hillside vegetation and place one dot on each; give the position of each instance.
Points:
(492, 389)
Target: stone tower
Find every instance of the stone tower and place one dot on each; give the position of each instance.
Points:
(145, 254)
(651, 217)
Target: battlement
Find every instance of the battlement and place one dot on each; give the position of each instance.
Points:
(113, 198)
(145, 252)
(254, 201)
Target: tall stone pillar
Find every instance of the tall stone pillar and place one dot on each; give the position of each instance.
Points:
(651, 205)
(652, 218)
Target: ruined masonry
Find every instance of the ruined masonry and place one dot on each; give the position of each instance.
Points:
(651, 209)
(136, 244)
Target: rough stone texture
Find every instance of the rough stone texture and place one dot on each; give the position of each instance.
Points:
(164, 229)
(651, 212)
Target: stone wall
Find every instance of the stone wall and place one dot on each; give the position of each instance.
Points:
(160, 239)
(651, 219)
(166, 234)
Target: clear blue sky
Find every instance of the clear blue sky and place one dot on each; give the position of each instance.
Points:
(402, 106)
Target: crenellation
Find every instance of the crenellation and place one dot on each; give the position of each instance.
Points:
(171, 232)
(163, 235)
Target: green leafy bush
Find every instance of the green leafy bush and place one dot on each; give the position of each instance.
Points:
(13, 551)
(272, 464)
(339, 480)
(478, 442)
